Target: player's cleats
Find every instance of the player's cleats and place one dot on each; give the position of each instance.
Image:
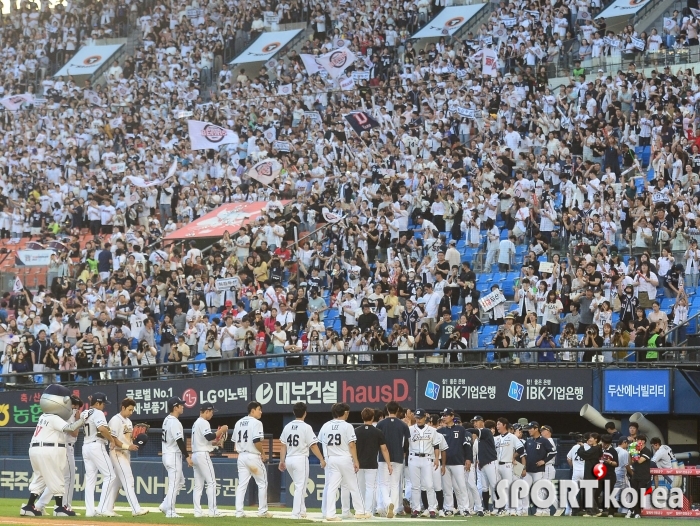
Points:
(432, 515)
(441, 513)
(390, 511)
(426, 513)
(62, 511)
(139, 513)
(108, 514)
(29, 511)
(266, 515)
(173, 516)
(479, 513)
(407, 506)
(334, 519)
(415, 514)
(448, 513)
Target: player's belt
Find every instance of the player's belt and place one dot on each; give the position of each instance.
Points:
(46, 444)
(502, 463)
(422, 455)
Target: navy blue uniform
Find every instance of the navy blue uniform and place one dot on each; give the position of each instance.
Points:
(538, 449)
(458, 445)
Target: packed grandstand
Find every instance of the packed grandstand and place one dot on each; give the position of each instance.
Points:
(437, 197)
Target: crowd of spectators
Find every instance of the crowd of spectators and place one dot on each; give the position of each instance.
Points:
(540, 174)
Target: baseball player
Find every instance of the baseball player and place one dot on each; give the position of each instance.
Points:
(486, 459)
(433, 421)
(297, 439)
(248, 436)
(506, 444)
(46, 451)
(623, 458)
(523, 505)
(577, 464)
(664, 458)
(95, 458)
(120, 454)
(339, 440)
(71, 438)
(459, 459)
(370, 444)
(174, 449)
(202, 438)
(539, 451)
(397, 437)
(473, 477)
(423, 459)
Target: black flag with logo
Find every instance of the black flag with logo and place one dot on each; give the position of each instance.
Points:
(361, 121)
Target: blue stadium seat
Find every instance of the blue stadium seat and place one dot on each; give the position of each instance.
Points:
(504, 235)
(332, 313)
(646, 156)
(692, 327)
(198, 368)
(508, 288)
(456, 312)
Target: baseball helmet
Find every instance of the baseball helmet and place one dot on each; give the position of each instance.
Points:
(56, 400)
(141, 440)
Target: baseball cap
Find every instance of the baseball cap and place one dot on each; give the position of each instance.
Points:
(207, 407)
(447, 411)
(548, 428)
(517, 426)
(175, 401)
(478, 418)
(99, 398)
(420, 413)
(532, 424)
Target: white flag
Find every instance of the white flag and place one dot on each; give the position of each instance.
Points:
(668, 23)
(18, 287)
(489, 62)
(270, 134)
(14, 102)
(140, 182)
(208, 136)
(284, 89)
(330, 217)
(310, 63)
(336, 62)
(266, 171)
(696, 12)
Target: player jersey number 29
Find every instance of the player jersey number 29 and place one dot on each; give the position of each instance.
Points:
(334, 440)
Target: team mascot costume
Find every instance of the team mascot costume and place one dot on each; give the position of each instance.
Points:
(47, 450)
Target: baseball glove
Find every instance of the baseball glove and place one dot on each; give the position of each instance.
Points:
(219, 443)
(139, 436)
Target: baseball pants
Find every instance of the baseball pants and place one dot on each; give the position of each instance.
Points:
(96, 460)
(420, 470)
(344, 496)
(542, 493)
(69, 476)
(341, 470)
(472, 491)
(505, 471)
(203, 474)
(454, 481)
(524, 504)
(575, 477)
(176, 480)
(48, 466)
(367, 480)
(298, 469)
(121, 460)
(489, 479)
(389, 486)
(251, 465)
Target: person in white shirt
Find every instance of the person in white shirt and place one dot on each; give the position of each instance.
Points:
(338, 438)
(97, 436)
(203, 439)
(248, 436)
(664, 458)
(173, 450)
(297, 440)
(506, 252)
(121, 428)
(423, 459)
(49, 464)
(577, 463)
(623, 458)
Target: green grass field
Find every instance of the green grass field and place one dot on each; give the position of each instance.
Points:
(9, 514)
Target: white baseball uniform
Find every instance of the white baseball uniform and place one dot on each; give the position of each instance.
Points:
(298, 437)
(505, 449)
(337, 435)
(473, 485)
(69, 473)
(122, 428)
(623, 458)
(202, 436)
(172, 460)
(550, 472)
(96, 460)
(421, 455)
(437, 473)
(578, 466)
(248, 432)
(47, 456)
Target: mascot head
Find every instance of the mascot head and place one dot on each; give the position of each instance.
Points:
(56, 400)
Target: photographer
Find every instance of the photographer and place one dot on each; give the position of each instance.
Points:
(50, 364)
(212, 350)
(315, 347)
(424, 341)
(501, 341)
(247, 349)
(404, 342)
(378, 342)
(569, 340)
(147, 355)
(333, 344)
(545, 340)
(592, 340)
(455, 341)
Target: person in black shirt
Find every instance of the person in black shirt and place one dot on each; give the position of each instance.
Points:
(539, 450)
(370, 442)
(638, 470)
(486, 457)
(396, 437)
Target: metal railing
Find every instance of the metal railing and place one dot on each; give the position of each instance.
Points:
(356, 360)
